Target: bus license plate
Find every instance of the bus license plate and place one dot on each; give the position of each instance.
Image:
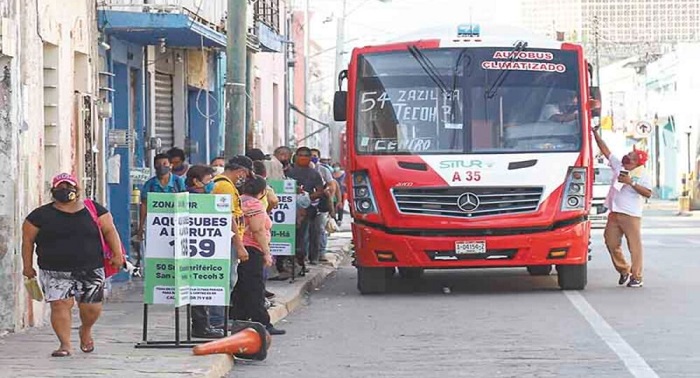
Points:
(470, 248)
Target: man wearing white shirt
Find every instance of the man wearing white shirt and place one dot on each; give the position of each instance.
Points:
(626, 201)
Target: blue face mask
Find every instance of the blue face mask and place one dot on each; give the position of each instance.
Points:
(209, 187)
(314, 160)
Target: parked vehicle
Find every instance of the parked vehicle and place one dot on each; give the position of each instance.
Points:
(603, 178)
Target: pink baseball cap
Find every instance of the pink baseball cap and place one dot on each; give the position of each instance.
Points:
(64, 177)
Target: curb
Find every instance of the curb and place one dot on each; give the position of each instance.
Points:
(224, 363)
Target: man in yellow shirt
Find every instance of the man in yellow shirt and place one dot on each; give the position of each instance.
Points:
(235, 173)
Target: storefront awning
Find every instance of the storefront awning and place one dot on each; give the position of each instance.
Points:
(146, 28)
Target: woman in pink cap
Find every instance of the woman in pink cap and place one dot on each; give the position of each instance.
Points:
(71, 258)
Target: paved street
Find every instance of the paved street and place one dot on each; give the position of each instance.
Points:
(506, 323)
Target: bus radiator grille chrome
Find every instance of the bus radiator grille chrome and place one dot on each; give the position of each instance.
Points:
(466, 202)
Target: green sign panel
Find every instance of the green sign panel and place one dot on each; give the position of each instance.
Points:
(188, 249)
(284, 218)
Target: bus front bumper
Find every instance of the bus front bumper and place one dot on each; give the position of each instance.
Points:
(377, 247)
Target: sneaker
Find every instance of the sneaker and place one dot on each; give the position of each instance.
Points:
(275, 331)
(635, 283)
(623, 279)
(269, 294)
(208, 333)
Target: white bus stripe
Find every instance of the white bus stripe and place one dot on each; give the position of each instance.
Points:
(632, 360)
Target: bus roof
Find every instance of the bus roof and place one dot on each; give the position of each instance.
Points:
(490, 35)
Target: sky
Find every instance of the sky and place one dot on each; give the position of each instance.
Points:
(376, 21)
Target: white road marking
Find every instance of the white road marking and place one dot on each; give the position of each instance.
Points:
(632, 360)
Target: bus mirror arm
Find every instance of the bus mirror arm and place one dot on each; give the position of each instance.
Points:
(340, 100)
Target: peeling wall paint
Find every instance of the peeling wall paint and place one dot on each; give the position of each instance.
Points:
(10, 299)
(69, 25)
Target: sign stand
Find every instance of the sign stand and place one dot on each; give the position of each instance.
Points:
(177, 343)
(184, 268)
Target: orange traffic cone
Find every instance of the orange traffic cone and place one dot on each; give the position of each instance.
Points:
(250, 343)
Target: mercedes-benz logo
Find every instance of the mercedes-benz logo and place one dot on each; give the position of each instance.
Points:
(468, 202)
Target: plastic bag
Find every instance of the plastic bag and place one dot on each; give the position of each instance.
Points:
(34, 289)
(331, 225)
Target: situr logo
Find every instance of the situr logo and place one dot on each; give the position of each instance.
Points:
(448, 164)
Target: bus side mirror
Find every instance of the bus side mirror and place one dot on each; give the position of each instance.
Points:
(340, 101)
(595, 103)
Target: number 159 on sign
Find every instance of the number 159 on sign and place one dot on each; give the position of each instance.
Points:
(205, 247)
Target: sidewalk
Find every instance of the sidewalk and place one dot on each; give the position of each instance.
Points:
(27, 354)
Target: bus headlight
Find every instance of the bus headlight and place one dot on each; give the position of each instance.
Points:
(574, 190)
(364, 197)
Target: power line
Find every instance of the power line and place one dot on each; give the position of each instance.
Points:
(303, 114)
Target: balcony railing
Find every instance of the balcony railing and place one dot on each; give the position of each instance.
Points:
(211, 13)
(268, 12)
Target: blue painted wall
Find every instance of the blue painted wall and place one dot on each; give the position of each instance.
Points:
(221, 101)
(120, 194)
(196, 111)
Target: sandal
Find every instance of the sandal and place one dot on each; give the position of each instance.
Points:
(60, 353)
(87, 347)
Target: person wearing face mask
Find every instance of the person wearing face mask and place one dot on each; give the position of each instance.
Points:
(71, 259)
(283, 154)
(200, 180)
(325, 205)
(310, 181)
(218, 164)
(626, 200)
(341, 195)
(273, 167)
(163, 182)
(177, 161)
(236, 171)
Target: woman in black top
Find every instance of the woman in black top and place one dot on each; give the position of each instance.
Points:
(70, 258)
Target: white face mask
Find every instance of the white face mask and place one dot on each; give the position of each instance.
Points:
(218, 170)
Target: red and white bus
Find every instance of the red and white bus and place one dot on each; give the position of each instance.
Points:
(469, 152)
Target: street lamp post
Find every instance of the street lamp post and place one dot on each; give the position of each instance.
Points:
(684, 200)
(687, 133)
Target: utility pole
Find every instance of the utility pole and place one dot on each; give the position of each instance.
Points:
(307, 50)
(339, 47)
(596, 33)
(236, 31)
(287, 73)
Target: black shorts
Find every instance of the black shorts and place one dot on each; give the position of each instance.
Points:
(87, 286)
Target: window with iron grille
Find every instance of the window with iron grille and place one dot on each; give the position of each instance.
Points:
(267, 12)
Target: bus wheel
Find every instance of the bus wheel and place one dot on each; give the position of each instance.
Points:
(573, 277)
(411, 273)
(539, 270)
(371, 280)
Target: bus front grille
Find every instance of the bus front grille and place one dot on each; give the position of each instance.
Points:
(466, 202)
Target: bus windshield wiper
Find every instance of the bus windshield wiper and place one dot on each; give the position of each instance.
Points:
(455, 70)
(428, 67)
(493, 89)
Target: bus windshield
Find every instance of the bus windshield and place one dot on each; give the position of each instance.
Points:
(461, 101)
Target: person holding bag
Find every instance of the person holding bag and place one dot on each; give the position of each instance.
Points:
(73, 248)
